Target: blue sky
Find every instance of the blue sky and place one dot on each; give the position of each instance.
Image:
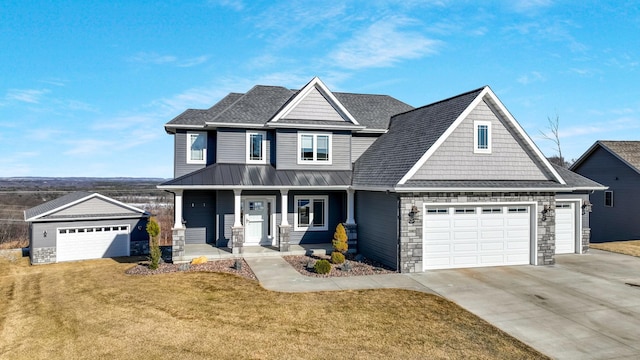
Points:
(86, 86)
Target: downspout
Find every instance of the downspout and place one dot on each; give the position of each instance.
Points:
(399, 226)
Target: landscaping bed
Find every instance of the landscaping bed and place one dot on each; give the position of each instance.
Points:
(225, 266)
(359, 267)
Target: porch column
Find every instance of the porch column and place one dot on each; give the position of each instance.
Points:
(178, 231)
(284, 228)
(350, 206)
(237, 231)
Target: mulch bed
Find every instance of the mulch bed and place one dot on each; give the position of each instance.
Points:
(226, 266)
(358, 268)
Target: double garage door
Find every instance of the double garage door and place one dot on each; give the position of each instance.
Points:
(92, 242)
(488, 235)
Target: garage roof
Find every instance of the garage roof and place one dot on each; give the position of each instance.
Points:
(82, 205)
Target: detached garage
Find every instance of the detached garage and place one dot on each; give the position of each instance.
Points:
(82, 226)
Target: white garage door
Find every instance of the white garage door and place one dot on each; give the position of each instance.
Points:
(472, 236)
(565, 228)
(82, 243)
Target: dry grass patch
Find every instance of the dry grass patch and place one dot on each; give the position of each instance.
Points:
(631, 247)
(91, 309)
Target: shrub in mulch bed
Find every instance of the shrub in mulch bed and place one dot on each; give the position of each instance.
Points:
(226, 266)
(363, 266)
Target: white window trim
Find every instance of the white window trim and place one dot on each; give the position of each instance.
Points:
(605, 198)
(477, 150)
(315, 149)
(297, 227)
(263, 147)
(188, 147)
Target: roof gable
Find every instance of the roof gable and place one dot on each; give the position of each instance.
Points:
(81, 205)
(627, 152)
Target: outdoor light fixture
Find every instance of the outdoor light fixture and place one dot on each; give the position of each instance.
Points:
(546, 211)
(412, 214)
(44, 233)
(586, 207)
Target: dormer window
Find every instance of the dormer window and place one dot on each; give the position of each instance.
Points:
(256, 147)
(482, 137)
(196, 148)
(314, 148)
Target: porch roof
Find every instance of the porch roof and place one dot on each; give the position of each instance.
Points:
(259, 176)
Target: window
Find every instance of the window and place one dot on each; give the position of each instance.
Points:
(256, 147)
(438, 211)
(608, 198)
(518, 210)
(314, 148)
(466, 211)
(196, 148)
(491, 210)
(482, 137)
(311, 213)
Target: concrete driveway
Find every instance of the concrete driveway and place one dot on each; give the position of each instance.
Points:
(580, 308)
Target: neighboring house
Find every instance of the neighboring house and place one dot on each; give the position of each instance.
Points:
(615, 164)
(83, 225)
(457, 183)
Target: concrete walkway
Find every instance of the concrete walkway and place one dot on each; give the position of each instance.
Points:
(274, 273)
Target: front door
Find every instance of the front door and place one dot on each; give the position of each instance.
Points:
(257, 214)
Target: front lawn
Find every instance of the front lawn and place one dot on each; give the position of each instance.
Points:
(92, 310)
(631, 247)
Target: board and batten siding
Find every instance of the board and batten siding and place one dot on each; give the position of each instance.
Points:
(93, 206)
(314, 106)
(199, 216)
(360, 144)
(455, 158)
(287, 151)
(377, 219)
(180, 166)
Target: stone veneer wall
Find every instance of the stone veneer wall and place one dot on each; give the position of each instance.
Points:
(586, 237)
(411, 234)
(352, 237)
(177, 250)
(43, 255)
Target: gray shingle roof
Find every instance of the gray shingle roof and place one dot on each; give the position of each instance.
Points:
(260, 175)
(629, 151)
(410, 135)
(55, 204)
(262, 102)
(576, 180)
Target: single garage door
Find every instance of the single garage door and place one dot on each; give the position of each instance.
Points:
(83, 243)
(472, 236)
(565, 228)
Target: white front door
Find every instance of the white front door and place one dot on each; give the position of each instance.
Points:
(257, 222)
(565, 228)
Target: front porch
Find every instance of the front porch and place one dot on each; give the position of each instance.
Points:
(192, 251)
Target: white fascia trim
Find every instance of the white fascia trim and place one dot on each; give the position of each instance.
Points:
(373, 188)
(373, 131)
(88, 197)
(514, 123)
(89, 218)
(313, 126)
(303, 93)
(250, 187)
(183, 126)
(443, 137)
(233, 125)
(451, 189)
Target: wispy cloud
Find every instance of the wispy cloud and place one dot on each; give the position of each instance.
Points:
(193, 61)
(236, 5)
(383, 44)
(531, 77)
(32, 96)
(527, 6)
(44, 133)
(159, 59)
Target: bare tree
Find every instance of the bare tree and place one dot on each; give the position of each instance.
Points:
(553, 134)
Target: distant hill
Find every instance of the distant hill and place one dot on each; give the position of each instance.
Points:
(75, 183)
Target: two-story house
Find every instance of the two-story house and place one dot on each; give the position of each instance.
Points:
(456, 183)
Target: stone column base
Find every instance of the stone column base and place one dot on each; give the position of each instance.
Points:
(283, 239)
(352, 237)
(586, 237)
(237, 239)
(178, 240)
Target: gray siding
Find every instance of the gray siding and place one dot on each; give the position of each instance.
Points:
(224, 217)
(231, 146)
(314, 107)
(377, 219)
(93, 206)
(619, 222)
(360, 144)
(180, 166)
(455, 159)
(287, 151)
(199, 215)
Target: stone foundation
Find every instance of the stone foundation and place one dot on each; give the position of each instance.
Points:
(237, 240)
(586, 237)
(177, 250)
(352, 237)
(45, 255)
(283, 238)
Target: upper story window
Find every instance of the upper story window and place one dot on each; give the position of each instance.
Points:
(256, 147)
(196, 148)
(608, 198)
(314, 148)
(482, 137)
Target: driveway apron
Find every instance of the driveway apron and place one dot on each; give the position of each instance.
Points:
(581, 308)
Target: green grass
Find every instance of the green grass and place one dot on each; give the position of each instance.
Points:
(91, 309)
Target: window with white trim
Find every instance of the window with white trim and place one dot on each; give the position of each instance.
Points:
(608, 198)
(311, 213)
(314, 148)
(482, 137)
(256, 147)
(196, 148)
